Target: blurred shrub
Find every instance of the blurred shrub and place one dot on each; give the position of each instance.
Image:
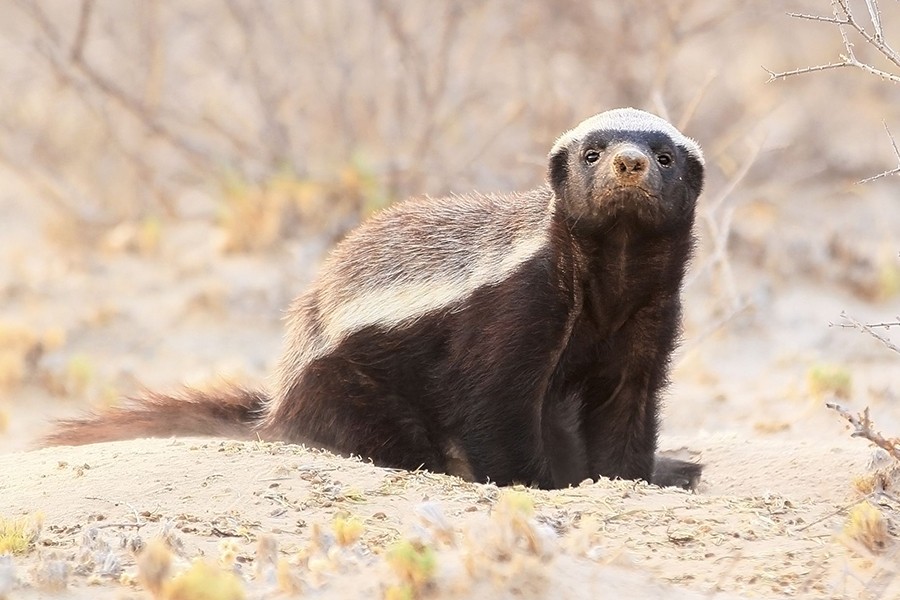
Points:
(258, 216)
(116, 111)
(112, 111)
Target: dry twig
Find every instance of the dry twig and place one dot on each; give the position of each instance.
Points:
(718, 215)
(895, 170)
(869, 329)
(862, 427)
(846, 22)
(844, 19)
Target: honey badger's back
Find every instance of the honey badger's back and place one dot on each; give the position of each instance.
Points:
(381, 353)
(414, 259)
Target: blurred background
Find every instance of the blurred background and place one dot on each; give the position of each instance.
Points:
(171, 174)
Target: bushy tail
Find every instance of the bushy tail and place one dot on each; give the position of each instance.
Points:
(228, 413)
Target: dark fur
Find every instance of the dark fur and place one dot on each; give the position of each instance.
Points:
(548, 378)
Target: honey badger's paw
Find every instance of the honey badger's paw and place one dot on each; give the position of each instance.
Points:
(673, 472)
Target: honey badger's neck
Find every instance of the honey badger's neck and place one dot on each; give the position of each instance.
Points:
(624, 268)
(626, 184)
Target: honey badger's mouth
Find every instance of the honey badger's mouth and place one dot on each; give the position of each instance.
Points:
(625, 197)
(623, 200)
(626, 192)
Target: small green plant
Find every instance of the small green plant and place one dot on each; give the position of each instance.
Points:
(829, 380)
(414, 564)
(888, 279)
(79, 374)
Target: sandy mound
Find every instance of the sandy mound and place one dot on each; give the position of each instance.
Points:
(762, 524)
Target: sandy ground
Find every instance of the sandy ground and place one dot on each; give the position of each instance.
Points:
(774, 516)
(765, 522)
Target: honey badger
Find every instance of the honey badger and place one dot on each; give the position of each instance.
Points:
(517, 338)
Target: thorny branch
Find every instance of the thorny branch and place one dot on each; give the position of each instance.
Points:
(884, 324)
(869, 329)
(862, 427)
(843, 17)
(894, 171)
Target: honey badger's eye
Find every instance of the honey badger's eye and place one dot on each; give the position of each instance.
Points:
(664, 159)
(591, 156)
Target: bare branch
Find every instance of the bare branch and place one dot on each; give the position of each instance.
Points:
(844, 19)
(802, 71)
(893, 141)
(821, 19)
(836, 7)
(862, 327)
(877, 72)
(106, 86)
(846, 61)
(876, 41)
(894, 171)
(842, 16)
(84, 22)
(719, 226)
(862, 427)
(875, 15)
(694, 103)
(883, 324)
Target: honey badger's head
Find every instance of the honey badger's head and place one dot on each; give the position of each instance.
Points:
(626, 165)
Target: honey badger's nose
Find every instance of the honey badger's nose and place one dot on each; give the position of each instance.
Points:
(630, 163)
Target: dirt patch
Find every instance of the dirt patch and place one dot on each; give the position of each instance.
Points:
(761, 525)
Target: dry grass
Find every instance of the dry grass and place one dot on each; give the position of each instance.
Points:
(347, 529)
(204, 582)
(868, 526)
(154, 566)
(18, 535)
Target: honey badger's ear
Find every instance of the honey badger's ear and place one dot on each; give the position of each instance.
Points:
(694, 174)
(558, 172)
